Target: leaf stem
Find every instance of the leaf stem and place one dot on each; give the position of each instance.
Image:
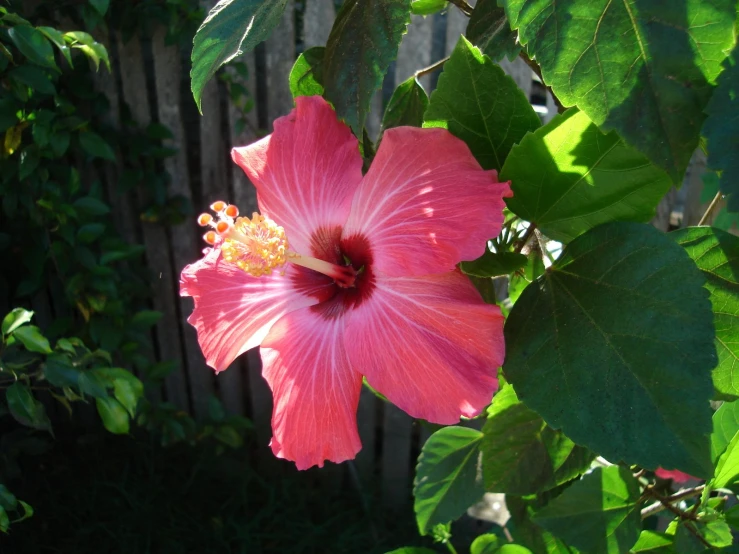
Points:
(710, 209)
(430, 69)
(665, 502)
(523, 241)
(463, 6)
(450, 547)
(536, 69)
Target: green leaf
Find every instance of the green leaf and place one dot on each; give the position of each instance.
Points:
(4, 520)
(480, 104)
(7, 498)
(406, 106)
(427, 7)
(608, 340)
(521, 455)
(60, 372)
(113, 414)
(363, 41)
(716, 533)
(721, 130)
(25, 408)
(101, 6)
(95, 146)
(513, 549)
(90, 232)
(57, 38)
(485, 544)
(598, 514)
(413, 550)
(727, 468)
(494, 264)
(489, 30)
(725, 426)
(16, 318)
(568, 177)
(92, 383)
(231, 28)
(27, 510)
(91, 206)
(651, 541)
(33, 45)
(522, 279)
(128, 390)
(717, 254)
(34, 77)
(146, 318)
(306, 75)
(446, 482)
(632, 66)
(92, 49)
(228, 436)
(32, 339)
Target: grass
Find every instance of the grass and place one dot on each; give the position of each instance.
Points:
(101, 493)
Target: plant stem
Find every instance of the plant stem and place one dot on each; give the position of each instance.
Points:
(665, 502)
(463, 6)
(523, 241)
(536, 69)
(450, 547)
(710, 208)
(430, 69)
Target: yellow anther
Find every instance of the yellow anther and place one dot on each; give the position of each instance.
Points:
(255, 245)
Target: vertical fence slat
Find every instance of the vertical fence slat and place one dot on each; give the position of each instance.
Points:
(280, 48)
(184, 238)
(367, 423)
(456, 23)
(521, 74)
(155, 237)
(693, 209)
(317, 21)
(415, 50)
(396, 457)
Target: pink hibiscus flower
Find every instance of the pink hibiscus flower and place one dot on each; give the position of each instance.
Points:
(344, 276)
(675, 475)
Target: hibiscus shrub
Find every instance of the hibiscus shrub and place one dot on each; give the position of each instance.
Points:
(595, 368)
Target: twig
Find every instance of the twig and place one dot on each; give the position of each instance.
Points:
(523, 241)
(665, 503)
(710, 208)
(463, 6)
(430, 69)
(536, 69)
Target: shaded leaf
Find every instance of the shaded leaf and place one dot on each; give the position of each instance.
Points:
(485, 544)
(406, 106)
(95, 146)
(363, 41)
(113, 414)
(489, 30)
(427, 7)
(480, 104)
(716, 253)
(721, 130)
(447, 480)
(725, 426)
(521, 455)
(598, 514)
(32, 339)
(231, 28)
(25, 408)
(33, 45)
(606, 341)
(90, 232)
(34, 77)
(306, 75)
(57, 38)
(632, 66)
(91, 206)
(652, 541)
(568, 177)
(494, 264)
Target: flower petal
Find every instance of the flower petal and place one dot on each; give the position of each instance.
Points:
(316, 392)
(425, 203)
(234, 311)
(675, 475)
(430, 344)
(305, 172)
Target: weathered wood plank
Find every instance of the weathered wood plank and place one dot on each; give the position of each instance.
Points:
(415, 50)
(367, 424)
(521, 74)
(317, 21)
(693, 208)
(185, 242)
(155, 238)
(280, 48)
(456, 24)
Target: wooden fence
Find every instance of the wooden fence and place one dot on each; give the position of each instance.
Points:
(146, 64)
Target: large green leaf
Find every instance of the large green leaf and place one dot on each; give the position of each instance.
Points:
(113, 414)
(717, 254)
(598, 513)
(721, 130)
(231, 28)
(489, 30)
(651, 541)
(725, 426)
(25, 408)
(606, 342)
(30, 336)
(480, 104)
(362, 43)
(33, 45)
(406, 106)
(306, 75)
(447, 480)
(727, 467)
(526, 532)
(641, 67)
(568, 177)
(521, 454)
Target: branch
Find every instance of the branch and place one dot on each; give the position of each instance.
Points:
(536, 69)
(430, 69)
(710, 209)
(523, 241)
(665, 502)
(463, 6)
